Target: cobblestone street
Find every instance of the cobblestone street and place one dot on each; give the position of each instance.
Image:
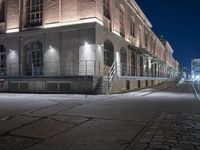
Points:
(172, 131)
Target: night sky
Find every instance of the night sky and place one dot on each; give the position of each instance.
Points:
(179, 22)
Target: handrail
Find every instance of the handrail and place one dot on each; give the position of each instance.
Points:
(112, 74)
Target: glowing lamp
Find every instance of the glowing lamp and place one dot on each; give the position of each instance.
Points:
(86, 44)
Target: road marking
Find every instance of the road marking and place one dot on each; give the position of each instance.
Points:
(196, 92)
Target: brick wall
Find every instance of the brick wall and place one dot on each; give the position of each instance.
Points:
(12, 14)
(51, 11)
(68, 10)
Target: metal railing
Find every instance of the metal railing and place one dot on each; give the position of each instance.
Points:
(65, 68)
(145, 71)
(76, 68)
(112, 74)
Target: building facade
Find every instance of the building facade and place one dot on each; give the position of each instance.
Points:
(76, 46)
(195, 69)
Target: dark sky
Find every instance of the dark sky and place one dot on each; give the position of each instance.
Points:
(179, 22)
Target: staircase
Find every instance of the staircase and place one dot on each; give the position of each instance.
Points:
(104, 84)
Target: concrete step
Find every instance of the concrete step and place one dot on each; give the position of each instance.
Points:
(102, 86)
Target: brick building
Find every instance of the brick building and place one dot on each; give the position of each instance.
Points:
(73, 46)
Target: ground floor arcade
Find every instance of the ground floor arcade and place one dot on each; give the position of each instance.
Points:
(77, 59)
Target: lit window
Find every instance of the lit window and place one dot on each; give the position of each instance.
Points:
(108, 53)
(2, 60)
(34, 57)
(33, 13)
(2, 11)
(121, 21)
(106, 8)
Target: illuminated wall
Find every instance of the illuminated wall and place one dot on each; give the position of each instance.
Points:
(13, 11)
(51, 11)
(70, 12)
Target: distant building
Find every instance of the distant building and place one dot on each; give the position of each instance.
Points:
(195, 69)
(185, 73)
(77, 46)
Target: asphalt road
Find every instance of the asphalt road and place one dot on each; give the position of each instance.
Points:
(163, 117)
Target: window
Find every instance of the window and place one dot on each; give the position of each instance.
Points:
(34, 58)
(146, 39)
(33, 13)
(106, 8)
(2, 60)
(2, 11)
(154, 48)
(121, 21)
(141, 66)
(108, 53)
(152, 68)
(132, 28)
(123, 57)
(133, 63)
(140, 35)
(147, 67)
(151, 45)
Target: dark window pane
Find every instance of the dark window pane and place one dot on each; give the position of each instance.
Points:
(33, 13)
(2, 11)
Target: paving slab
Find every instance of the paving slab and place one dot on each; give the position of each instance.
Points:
(14, 105)
(16, 143)
(12, 123)
(43, 129)
(71, 119)
(95, 134)
(110, 112)
(44, 112)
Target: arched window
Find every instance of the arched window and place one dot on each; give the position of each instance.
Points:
(108, 53)
(121, 21)
(2, 60)
(33, 13)
(2, 11)
(106, 8)
(34, 58)
(123, 56)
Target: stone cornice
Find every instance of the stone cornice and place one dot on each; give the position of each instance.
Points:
(168, 46)
(139, 11)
